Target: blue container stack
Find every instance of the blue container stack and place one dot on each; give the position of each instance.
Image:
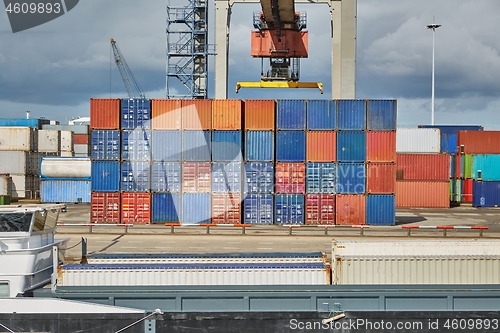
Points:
(105, 155)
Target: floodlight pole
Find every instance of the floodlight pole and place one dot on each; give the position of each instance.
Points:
(433, 27)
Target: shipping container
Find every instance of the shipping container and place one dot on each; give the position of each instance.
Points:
(105, 145)
(453, 164)
(25, 186)
(20, 162)
(291, 114)
(196, 177)
(259, 177)
(479, 142)
(418, 140)
(105, 113)
(486, 167)
(350, 209)
(423, 167)
(18, 139)
(136, 207)
(381, 178)
(259, 209)
(55, 167)
(321, 115)
(226, 177)
(467, 193)
(351, 115)
(76, 129)
(135, 176)
(381, 146)
(135, 113)
(226, 208)
(466, 166)
(196, 114)
(136, 144)
(321, 178)
(321, 146)
(320, 209)
(290, 178)
(449, 135)
(105, 176)
(289, 209)
(49, 141)
(5, 184)
(105, 208)
(351, 178)
(196, 146)
(227, 114)
(196, 208)
(227, 146)
(381, 115)
(259, 146)
(486, 194)
(81, 139)
(166, 208)
(351, 146)
(380, 209)
(449, 143)
(166, 145)
(166, 114)
(291, 146)
(23, 122)
(82, 150)
(454, 197)
(259, 115)
(422, 194)
(67, 141)
(166, 177)
(58, 191)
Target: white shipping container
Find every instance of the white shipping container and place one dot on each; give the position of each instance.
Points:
(67, 154)
(67, 141)
(54, 167)
(5, 185)
(49, 141)
(82, 150)
(418, 140)
(18, 139)
(20, 162)
(24, 186)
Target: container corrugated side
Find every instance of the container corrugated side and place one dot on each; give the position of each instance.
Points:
(49, 141)
(320, 209)
(289, 208)
(381, 115)
(259, 115)
(351, 146)
(422, 194)
(166, 114)
(23, 122)
(196, 146)
(105, 113)
(259, 209)
(20, 162)
(418, 140)
(136, 144)
(290, 178)
(466, 190)
(351, 178)
(479, 142)
(227, 146)
(453, 166)
(350, 209)
(82, 150)
(486, 194)
(227, 114)
(226, 208)
(196, 114)
(136, 207)
(65, 168)
(135, 176)
(135, 113)
(227, 177)
(76, 129)
(423, 167)
(351, 115)
(291, 146)
(381, 178)
(56, 191)
(488, 166)
(105, 176)
(466, 165)
(321, 115)
(321, 178)
(449, 143)
(105, 208)
(453, 129)
(166, 207)
(259, 177)
(291, 114)
(196, 177)
(196, 208)
(18, 139)
(381, 146)
(166, 145)
(81, 139)
(105, 145)
(259, 146)
(321, 146)
(380, 209)
(166, 177)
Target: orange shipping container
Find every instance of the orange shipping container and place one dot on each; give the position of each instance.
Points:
(226, 208)
(166, 114)
(81, 139)
(321, 146)
(197, 114)
(226, 114)
(381, 146)
(423, 194)
(136, 208)
(381, 178)
(267, 43)
(259, 115)
(479, 142)
(351, 209)
(105, 113)
(423, 167)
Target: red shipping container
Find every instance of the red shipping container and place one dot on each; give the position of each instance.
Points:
(320, 209)
(166, 114)
(423, 194)
(226, 208)
(466, 189)
(105, 113)
(290, 178)
(226, 114)
(267, 43)
(81, 139)
(259, 115)
(423, 167)
(196, 177)
(136, 207)
(351, 209)
(196, 114)
(321, 146)
(479, 142)
(381, 146)
(105, 207)
(381, 178)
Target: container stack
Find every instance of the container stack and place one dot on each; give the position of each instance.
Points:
(5, 188)
(75, 139)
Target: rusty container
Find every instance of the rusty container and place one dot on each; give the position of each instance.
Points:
(350, 209)
(196, 114)
(106, 207)
(320, 209)
(381, 146)
(381, 178)
(166, 114)
(259, 115)
(423, 194)
(81, 139)
(227, 114)
(423, 167)
(321, 146)
(105, 113)
(479, 142)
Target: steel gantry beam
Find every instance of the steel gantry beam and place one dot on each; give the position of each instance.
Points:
(343, 34)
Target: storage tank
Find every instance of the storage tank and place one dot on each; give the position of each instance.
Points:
(65, 168)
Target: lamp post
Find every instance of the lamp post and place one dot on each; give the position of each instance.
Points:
(432, 27)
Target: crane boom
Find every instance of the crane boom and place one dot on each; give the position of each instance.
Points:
(125, 72)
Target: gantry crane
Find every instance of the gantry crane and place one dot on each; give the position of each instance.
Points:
(125, 72)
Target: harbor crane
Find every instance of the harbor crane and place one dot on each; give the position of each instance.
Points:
(125, 72)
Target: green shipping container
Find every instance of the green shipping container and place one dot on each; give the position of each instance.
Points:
(4, 200)
(466, 165)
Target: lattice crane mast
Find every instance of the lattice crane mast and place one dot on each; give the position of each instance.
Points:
(125, 72)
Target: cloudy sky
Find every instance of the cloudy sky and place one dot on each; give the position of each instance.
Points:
(54, 69)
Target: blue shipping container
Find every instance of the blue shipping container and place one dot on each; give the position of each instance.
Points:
(381, 209)
(23, 122)
(449, 135)
(381, 115)
(136, 113)
(166, 146)
(196, 146)
(58, 191)
(166, 207)
(259, 177)
(351, 115)
(136, 145)
(351, 146)
(166, 177)
(105, 145)
(226, 146)
(321, 178)
(351, 178)
(258, 209)
(289, 208)
(291, 114)
(453, 165)
(489, 165)
(321, 115)
(485, 194)
(196, 208)
(259, 146)
(291, 146)
(105, 176)
(226, 177)
(448, 143)
(135, 176)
